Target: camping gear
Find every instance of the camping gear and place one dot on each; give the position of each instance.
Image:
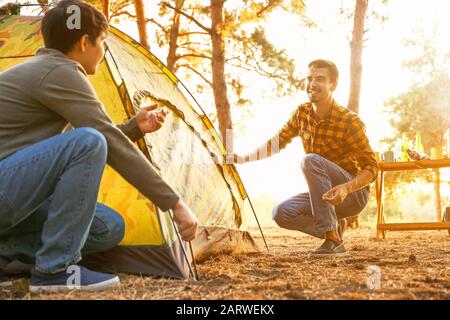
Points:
(182, 151)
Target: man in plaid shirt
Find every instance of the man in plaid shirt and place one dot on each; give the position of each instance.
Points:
(338, 166)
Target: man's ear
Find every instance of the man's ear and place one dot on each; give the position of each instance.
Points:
(333, 86)
(84, 42)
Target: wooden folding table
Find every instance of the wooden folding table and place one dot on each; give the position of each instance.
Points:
(382, 227)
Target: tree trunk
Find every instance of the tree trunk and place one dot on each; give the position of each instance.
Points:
(218, 75)
(356, 46)
(106, 8)
(141, 23)
(173, 38)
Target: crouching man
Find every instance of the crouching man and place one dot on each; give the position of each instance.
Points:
(338, 166)
(49, 180)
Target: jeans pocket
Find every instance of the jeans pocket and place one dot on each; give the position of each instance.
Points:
(6, 213)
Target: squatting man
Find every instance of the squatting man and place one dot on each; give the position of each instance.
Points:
(338, 165)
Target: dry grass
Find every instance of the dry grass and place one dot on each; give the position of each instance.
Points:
(414, 265)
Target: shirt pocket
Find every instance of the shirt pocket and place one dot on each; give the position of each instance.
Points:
(333, 146)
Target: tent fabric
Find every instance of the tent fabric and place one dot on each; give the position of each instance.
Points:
(182, 151)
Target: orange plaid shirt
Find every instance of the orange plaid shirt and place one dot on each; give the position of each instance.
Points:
(339, 137)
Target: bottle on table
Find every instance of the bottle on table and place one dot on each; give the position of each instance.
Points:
(418, 145)
(405, 146)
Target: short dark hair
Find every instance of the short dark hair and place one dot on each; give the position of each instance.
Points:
(321, 63)
(56, 33)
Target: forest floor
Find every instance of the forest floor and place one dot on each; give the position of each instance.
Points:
(407, 265)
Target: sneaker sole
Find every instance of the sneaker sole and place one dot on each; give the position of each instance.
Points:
(64, 288)
(327, 255)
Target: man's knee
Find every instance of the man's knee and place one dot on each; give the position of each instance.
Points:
(93, 140)
(310, 161)
(108, 228)
(278, 214)
(116, 229)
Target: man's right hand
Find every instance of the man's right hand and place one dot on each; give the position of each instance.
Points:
(186, 221)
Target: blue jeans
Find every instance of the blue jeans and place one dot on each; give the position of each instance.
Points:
(307, 212)
(48, 201)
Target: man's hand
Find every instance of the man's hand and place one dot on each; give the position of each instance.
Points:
(186, 221)
(336, 195)
(150, 120)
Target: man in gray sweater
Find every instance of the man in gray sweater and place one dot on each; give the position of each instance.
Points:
(49, 180)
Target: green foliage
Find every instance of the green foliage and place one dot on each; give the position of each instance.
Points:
(10, 9)
(247, 49)
(281, 67)
(424, 108)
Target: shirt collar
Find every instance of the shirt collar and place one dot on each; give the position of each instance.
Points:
(331, 114)
(50, 52)
(54, 53)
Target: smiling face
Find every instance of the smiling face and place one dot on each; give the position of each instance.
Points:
(319, 86)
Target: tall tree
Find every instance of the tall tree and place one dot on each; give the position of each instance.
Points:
(141, 22)
(106, 8)
(218, 73)
(356, 46)
(213, 42)
(117, 8)
(174, 35)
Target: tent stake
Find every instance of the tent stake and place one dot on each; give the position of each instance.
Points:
(182, 246)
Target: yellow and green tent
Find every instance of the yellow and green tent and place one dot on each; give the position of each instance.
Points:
(183, 152)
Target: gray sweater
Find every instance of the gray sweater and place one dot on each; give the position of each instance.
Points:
(40, 97)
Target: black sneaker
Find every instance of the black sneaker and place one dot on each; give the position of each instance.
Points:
(342, 226)
(74, 278)
(329, 248)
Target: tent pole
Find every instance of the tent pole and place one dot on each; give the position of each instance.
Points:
(193, 260)
(182, 246)
(259, 226)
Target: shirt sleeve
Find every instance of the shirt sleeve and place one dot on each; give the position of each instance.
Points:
(289, 131)
(358, 144)
(131, 129)
(66, 91)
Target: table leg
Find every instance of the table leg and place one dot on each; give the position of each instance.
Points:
(381, 234)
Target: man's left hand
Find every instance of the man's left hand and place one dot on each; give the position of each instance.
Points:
(336, 195)
(149, 119)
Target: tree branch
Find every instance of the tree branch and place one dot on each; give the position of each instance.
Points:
(196, 72)
(158, 24)
(208, 30)
(121, 13)
(193, 32)
(190, 43)
(116, 10)
(234, 58)
(194, 55)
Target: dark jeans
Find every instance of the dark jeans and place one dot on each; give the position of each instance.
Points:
(307, 212)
